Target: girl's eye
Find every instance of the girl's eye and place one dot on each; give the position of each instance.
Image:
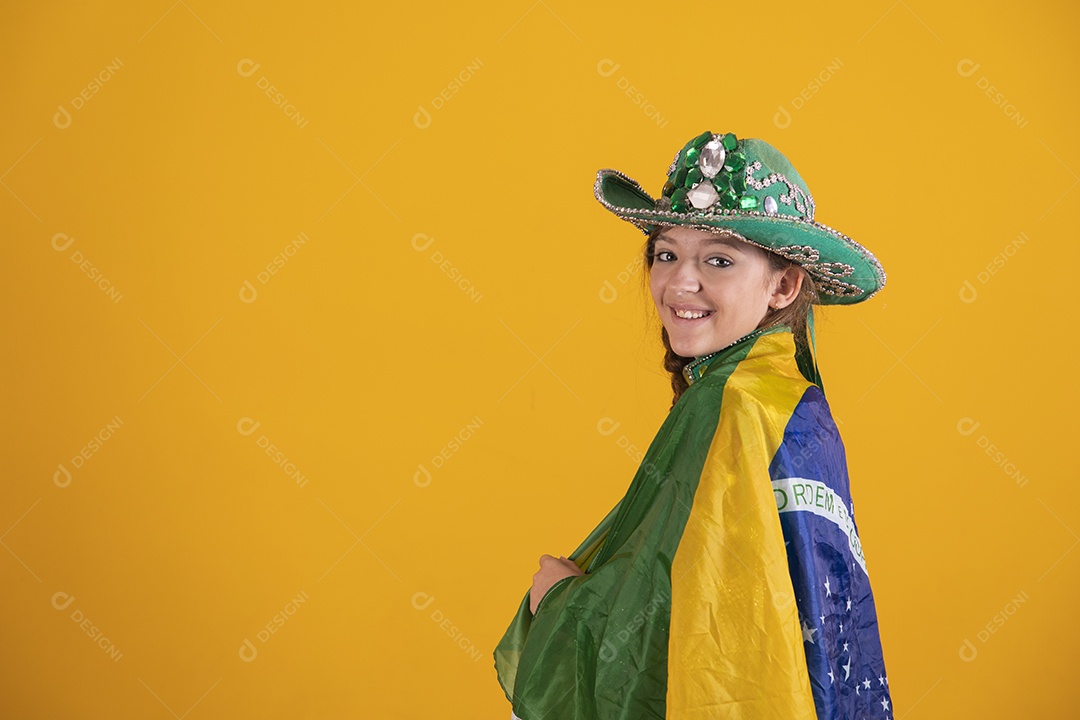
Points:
(661, 255)
(722, 262)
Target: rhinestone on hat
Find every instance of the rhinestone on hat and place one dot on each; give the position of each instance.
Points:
(712, 158)
(702, 195)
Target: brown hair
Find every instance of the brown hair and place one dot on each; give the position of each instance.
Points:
(794, 315)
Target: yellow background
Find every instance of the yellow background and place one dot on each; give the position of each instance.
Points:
(436, 359)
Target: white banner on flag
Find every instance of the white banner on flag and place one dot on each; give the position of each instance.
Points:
(815, 496)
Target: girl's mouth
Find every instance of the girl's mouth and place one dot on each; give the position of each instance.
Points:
(689, 317)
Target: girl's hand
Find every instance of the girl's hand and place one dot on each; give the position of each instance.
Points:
(552, 569)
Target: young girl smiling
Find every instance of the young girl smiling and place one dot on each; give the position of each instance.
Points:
(729, 581)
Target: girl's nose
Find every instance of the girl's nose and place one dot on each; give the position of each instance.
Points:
(684, 278)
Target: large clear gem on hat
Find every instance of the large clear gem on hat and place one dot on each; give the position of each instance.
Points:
(702, 195)
(712, 158)
(770, 205)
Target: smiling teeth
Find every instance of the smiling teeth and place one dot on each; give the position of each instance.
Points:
(690, 314)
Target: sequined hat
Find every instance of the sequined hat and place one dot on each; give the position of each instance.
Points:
(718, 181)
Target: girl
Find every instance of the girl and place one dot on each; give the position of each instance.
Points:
(729, 581)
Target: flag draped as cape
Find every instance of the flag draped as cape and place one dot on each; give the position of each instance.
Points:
(729, 581)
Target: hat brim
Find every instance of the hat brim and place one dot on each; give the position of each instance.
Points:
(844, 271)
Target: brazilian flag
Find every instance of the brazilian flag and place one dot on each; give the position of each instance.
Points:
(729, 582)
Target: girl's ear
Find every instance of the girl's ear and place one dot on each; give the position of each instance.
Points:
(787, 287)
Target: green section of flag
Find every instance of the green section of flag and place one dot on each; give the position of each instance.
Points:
(598, 645)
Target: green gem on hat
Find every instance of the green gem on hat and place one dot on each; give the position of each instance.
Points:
(700, 140)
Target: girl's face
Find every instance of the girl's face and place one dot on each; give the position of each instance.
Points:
(721, 285)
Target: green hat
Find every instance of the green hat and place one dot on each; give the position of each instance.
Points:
(746, 186)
